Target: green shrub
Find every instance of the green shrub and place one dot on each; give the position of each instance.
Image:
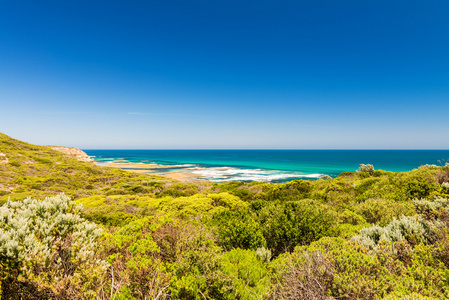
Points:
(238, 229)
(250, 275)
(365, 185)
(15, 164)
(134, 255)
(419, 189)
(382, 211)
(178, 190)
(2, 193)
(111, 215)
(379, 173)
(412, 296)
(337, 269)
(346, 174)
(43, 160)
(196, 269)
(200, 205)
(293, 190)
(287, 225)
(237, 274)
(349, 224)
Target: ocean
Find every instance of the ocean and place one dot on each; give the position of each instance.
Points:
(273, 165)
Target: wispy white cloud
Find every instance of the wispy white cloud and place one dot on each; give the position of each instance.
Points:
(156, 114)
(63, 113)
(139, 113)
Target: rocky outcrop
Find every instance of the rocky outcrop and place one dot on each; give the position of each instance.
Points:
(73, 152)
(3, 158)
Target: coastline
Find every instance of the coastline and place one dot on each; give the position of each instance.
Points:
(276, 166)
(192, 173)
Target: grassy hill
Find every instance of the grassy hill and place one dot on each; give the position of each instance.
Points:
(38, 170)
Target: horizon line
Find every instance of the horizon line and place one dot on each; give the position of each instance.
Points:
(271, 149)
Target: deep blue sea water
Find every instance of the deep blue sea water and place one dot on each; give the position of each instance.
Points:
(275, 165)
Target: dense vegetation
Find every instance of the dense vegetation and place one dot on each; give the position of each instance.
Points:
(113, 234)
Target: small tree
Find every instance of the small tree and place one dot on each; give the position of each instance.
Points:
(366, 168)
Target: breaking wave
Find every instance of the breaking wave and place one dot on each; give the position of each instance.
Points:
(223, 174)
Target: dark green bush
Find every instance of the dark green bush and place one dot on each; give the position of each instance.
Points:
(290, 191)
(363, 175)
(288, 225)
(43, 160)
(365, 186)
(346, 174)
(382, 211)
(110, 215)
(419, 189)
(2, 193)
(137, 190)
(238, 229)
(378, 173)
(15, 164)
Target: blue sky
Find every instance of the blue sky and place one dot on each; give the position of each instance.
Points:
(226, 74)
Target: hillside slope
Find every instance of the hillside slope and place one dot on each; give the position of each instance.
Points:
(27, 169)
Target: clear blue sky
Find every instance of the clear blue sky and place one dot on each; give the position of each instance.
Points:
(226, 74)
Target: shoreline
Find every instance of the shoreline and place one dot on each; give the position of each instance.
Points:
(262, 166)
(194, 173)
(185, 175)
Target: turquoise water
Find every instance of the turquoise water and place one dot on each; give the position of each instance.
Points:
(275, 165)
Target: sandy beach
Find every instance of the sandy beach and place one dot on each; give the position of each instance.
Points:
(185, 175)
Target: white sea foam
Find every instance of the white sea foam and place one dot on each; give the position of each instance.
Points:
(183, 165)
(223, 174)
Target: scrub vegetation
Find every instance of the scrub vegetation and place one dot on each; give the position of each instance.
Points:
(74, 230)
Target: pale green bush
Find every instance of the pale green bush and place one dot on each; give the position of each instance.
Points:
(406, 229)
(48, 251)
(366, 168)
(424, 206)
(412, 230)
(263, 254)
(445, 185)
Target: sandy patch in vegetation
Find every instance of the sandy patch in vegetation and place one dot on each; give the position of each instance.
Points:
(3, 158)
(186, 176)
(136, 166)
